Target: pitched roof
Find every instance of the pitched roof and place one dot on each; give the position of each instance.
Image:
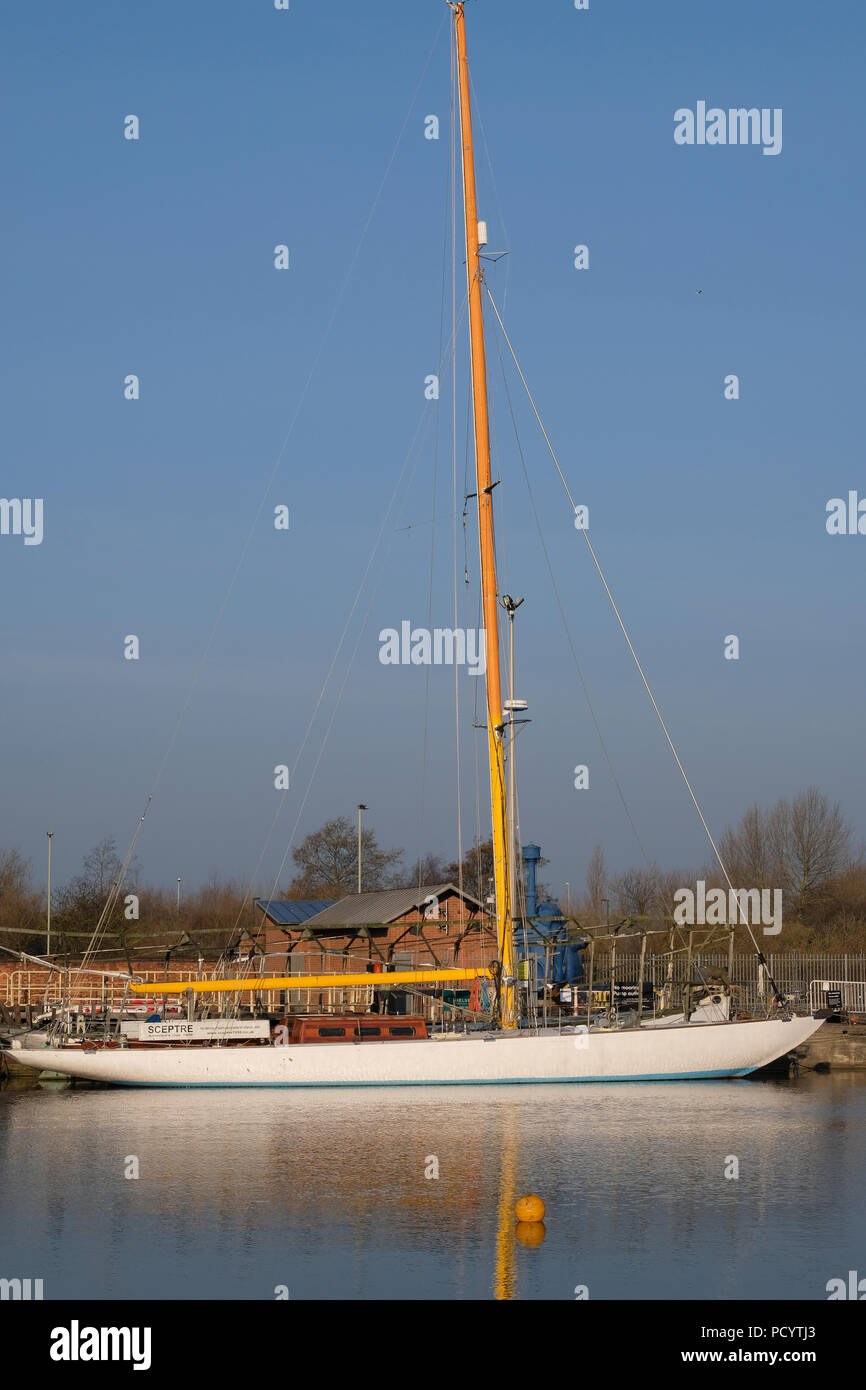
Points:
(379, 909)
(291, 912)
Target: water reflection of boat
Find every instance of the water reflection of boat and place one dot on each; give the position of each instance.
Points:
(326, 1191)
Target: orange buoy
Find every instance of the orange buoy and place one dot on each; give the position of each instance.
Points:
(529, 1208)
(530, 1233)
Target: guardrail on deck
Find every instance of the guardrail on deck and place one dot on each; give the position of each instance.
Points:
(89, 991)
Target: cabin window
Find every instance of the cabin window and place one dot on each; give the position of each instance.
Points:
(371, 1032)
(401, 1032)
(332, 1032)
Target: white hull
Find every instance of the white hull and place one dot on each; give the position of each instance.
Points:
(658, 1054)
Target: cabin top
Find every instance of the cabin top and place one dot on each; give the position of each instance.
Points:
(355, 1028)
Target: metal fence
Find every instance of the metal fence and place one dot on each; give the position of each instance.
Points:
(801, 975)
(851, 992)
(792, 972)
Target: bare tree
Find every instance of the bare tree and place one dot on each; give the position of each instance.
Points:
(750, 849)
(80, 902)
(796, 846)
(20, 904)
(477, 870)
(636, 892)
(14, 874)
(596, 880)
(670, 883)
(328, 861)
(101, 867)
(427, 869)
(816, 845)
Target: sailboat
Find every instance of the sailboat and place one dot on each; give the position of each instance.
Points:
(508, 1053)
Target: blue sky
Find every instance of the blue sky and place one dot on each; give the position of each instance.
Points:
(155, 257)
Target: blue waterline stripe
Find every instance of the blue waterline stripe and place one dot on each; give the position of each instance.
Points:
(355, 1085)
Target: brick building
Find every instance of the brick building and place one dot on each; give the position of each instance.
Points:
(405, 928)
(409, 928)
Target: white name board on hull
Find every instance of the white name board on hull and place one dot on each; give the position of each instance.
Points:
(180, 1030)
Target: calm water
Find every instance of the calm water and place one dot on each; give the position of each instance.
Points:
(325, 1192)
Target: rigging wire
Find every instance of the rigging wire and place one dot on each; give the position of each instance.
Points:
(416, 442)
(564, 619)
(383, 530)
(102, 923)
(452, 151)
(111, 901)
(323, 689)
(353, 260)
(476, 108)
(744, 919)
(434, 486)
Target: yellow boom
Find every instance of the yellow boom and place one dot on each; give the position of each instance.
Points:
(259, 982)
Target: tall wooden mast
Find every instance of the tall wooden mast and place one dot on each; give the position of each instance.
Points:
(501, 849)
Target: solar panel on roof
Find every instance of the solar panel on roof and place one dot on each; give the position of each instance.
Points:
(291, 912)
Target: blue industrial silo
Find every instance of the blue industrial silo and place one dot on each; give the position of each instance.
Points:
(546, 927)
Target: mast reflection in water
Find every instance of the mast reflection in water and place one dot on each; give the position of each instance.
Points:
(325, 1193)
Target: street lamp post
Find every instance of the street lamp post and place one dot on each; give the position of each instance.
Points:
(361, 807)
(50, 834)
